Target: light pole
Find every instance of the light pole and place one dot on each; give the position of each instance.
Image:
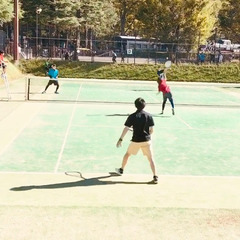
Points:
(16, 31)
(135, 36)
(38, 11)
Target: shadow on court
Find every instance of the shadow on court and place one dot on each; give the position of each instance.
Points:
(143, 90)
(126, 115)
(86, 182)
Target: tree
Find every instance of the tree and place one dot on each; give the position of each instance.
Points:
(178, 20)
(90, 16)
(229, 20)
(6, 13)
(127, 10)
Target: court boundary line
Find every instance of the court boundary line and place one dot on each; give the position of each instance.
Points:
(181, 120)
(20, 130)
(67, 133)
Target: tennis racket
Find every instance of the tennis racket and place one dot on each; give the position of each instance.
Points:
(168, 64)
(74, 174)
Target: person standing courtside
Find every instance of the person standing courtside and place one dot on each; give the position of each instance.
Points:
(142, 124)
(53, 74)
(2, 62)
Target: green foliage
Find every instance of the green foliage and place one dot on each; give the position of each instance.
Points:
(74, 15)
(127, 13)
(229, 18)
(182, 21)
(228, 73)
(6, 13)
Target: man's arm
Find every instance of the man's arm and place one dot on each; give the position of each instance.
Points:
(151, 130)
(124, 132)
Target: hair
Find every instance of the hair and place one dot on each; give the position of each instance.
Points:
(160, 72)
(1, 51)
(140, 103)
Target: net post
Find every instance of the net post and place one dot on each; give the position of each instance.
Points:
(28, 88)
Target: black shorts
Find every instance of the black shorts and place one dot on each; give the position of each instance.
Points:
(3, 65)
(55, 82)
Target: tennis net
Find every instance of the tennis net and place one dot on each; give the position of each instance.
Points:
(122, 91)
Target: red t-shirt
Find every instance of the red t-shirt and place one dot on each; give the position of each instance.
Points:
(1, 58)
(163, 87)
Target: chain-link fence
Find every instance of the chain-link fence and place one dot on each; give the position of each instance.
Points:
(123, 49)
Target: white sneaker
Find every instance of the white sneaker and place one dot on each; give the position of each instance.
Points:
(155, 179)
(119, 171)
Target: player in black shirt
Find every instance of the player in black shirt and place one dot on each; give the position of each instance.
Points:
(142, 124)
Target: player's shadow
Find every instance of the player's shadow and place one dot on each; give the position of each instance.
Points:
(143, 90)
(109, 115)
(120, 115)
(117, 115)
(161, 116)
(85, 182)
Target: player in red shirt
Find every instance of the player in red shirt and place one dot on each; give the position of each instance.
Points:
(165, 89)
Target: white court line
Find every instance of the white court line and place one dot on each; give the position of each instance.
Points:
(67, 132)
(189, 126)
(21, 129)
(229, 92)
(175, 115)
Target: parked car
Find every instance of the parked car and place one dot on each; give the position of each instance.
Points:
(227, 45)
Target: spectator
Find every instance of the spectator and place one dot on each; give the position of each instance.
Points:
(3, 62)
(201, 57)
(122, 57)
(220, 57)
(66, 55)
(114, 57)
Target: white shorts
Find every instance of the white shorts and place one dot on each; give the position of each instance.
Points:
(146, 148)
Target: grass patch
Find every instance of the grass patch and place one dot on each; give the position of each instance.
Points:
(224, 73)
(13, 72)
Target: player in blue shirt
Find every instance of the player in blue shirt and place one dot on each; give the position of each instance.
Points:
(53, 74)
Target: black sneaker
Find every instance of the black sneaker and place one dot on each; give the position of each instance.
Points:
(119, 171)
(173, 113)
(56, 92)
(155, 179)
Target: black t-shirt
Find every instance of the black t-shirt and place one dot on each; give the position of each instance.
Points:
(140, 121)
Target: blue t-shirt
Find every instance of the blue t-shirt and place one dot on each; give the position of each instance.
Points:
(53, 73)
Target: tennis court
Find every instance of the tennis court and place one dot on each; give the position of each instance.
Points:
(196, 153)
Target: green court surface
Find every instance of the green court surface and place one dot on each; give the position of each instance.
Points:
(196, 153)
(201, 139)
